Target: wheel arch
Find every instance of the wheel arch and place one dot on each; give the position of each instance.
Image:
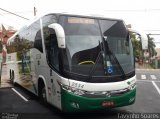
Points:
(42, 81)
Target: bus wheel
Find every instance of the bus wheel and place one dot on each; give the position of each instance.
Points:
(12, 76)
(43, 94)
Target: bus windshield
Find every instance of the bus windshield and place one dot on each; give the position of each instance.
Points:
(88, 42)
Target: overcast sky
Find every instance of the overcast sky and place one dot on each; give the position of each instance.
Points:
(142, 14)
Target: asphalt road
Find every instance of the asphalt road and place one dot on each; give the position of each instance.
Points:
(147, 101)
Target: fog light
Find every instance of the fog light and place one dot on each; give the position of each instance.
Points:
(131, 99)
(75, 105)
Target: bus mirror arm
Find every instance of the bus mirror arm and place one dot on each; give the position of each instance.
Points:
(59, 33)
(143, 37)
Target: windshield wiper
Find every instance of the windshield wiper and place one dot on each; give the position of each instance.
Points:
(96, 62)
(103, 52)
(109, 52)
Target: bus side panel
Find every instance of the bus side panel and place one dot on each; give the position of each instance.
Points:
(20, 64)
(12, 66)
(50, 80)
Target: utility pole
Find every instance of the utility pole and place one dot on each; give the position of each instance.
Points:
(0, 72)
(35, 11)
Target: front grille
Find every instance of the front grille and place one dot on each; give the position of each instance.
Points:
(104, 94)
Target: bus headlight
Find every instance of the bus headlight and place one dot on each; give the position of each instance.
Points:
(133, 86)
(73, 90)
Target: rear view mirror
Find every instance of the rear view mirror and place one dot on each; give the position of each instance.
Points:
(143, 37)
(59, 33)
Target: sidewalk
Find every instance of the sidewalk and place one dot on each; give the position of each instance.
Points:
(145, 67)
(140, 69)
(5, 81)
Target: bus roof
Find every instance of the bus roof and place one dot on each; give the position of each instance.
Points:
(83, 15)
(60, 14)
(71, 14)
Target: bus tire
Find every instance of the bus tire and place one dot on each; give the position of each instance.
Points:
(42, 92)
(12, 76)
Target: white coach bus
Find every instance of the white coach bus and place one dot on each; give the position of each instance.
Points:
(74, 62)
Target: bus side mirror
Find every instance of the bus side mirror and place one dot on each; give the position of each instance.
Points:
(59, 33)
(144, 41)
(143, 37)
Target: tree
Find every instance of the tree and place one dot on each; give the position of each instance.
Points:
(137, 48)
(151, 46)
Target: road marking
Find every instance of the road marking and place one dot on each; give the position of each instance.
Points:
(153, 77)
(146, 81)
(25, 99)
(143, 76)
(156, 87)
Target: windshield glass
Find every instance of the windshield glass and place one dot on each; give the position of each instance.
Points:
(118, 41)
(86, 53)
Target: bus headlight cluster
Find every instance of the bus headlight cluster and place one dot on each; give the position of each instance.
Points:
(133, 86)
(76, 91)
(73, 90)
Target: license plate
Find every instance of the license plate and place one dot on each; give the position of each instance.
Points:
(108, 103)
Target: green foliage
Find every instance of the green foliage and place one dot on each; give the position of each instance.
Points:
(137, 48)
(19, 45)
(151, 46)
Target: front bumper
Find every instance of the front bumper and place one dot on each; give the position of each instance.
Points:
(75, 103)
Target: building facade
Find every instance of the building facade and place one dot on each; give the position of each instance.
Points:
(5, 34)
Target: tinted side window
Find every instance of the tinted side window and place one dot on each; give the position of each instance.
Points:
(52, 50)
(35, 35)
(38, 41)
